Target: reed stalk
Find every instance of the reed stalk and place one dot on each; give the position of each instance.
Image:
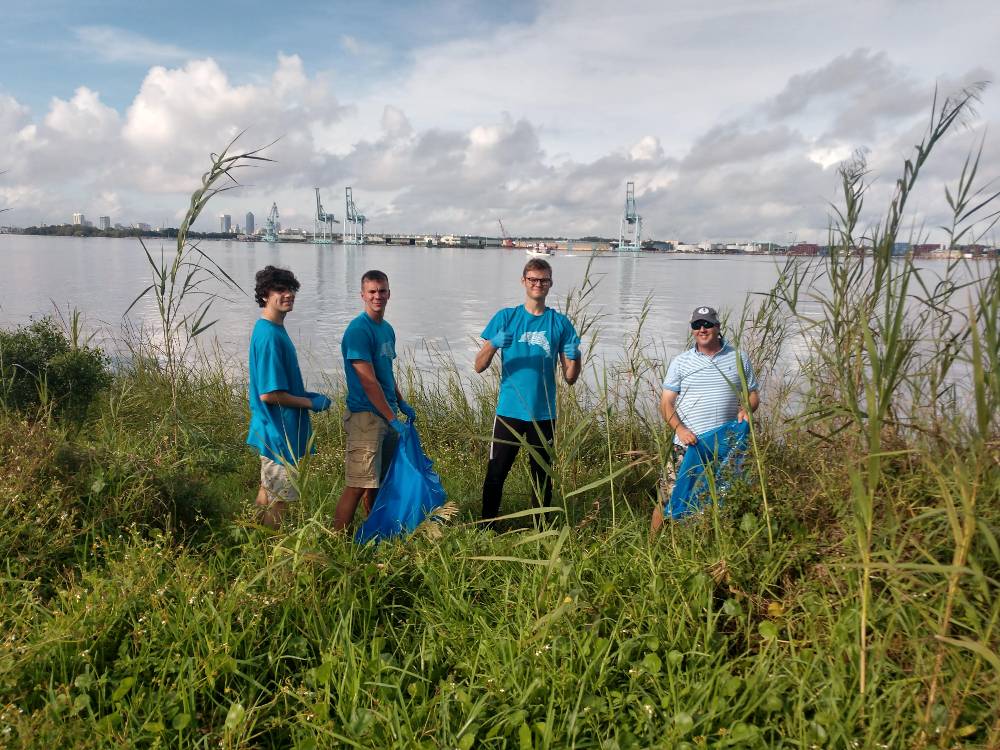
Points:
(140, 605)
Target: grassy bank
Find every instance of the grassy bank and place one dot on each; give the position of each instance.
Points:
(844, 595)
(142, 606)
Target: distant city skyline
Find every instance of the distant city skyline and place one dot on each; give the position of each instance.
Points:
(730, 117)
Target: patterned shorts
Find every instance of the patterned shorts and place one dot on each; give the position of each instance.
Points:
(668, 474)
(278, 481)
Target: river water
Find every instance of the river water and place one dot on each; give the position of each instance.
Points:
(441, 297)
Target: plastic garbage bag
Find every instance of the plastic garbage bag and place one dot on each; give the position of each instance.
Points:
(718, 455)
(410, 491)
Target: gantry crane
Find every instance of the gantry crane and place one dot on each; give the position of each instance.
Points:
(323, 232)
(271, 224)
(354, 222)
(630, 233)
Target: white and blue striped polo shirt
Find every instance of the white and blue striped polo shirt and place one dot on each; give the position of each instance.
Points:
(708, 387)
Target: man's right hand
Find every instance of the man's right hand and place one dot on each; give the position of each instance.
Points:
(397, 426)
(502, 340)
(686, 436)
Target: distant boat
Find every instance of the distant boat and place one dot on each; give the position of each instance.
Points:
(540, 250)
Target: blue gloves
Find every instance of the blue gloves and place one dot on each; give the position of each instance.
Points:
(408, 411)
(397, 426)
(571, 349)
(502, 340)
(319, 401)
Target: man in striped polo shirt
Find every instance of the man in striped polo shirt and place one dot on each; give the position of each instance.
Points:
(702, 391)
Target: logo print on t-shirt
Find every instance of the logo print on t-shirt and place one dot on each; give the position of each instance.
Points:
(537, 338)
(386, 350)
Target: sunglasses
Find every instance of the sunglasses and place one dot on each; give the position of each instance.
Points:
(535, 281)
(699, 324)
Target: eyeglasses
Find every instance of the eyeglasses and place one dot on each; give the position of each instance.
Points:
(536, 281)
(699, 324)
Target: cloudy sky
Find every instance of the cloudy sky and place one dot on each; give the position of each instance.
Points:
(730, 116)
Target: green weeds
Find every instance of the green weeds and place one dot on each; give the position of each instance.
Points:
(845, 594)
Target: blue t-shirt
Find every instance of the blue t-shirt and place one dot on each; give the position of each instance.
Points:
(368, 341)
(281, 433)
(528, 365)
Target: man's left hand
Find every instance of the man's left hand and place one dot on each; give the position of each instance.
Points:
(404, 407)
(319, 401)
(741, 415)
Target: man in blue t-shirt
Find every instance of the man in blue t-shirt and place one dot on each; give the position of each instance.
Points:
(279, 402)
(373, 398)
(531, 338)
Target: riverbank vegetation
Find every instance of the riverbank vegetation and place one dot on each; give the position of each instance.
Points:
(84, 230)
(845, 594)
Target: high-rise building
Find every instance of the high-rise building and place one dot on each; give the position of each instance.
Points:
(249, 223)
(225, 223)
(104, 223)
(79, 219)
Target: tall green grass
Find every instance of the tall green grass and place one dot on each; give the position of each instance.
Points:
(845, 594)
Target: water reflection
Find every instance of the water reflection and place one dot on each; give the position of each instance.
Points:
(441, 298)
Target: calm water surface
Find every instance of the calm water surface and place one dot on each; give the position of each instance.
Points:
(441, 297)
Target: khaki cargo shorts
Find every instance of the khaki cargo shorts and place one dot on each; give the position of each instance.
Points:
(370, 446)
(278, 481)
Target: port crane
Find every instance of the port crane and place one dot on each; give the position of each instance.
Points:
(323, 231)
(630, 232)
(271, 224)
(505, 239)
(354, 227)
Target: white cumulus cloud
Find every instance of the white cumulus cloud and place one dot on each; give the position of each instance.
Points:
(528, 125)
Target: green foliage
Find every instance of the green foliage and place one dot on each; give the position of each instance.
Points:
(41, 367)
(846, 594)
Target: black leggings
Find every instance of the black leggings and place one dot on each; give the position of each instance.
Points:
(507, 434)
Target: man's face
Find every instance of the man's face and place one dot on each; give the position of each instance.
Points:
(706, 334)
(280, 300)
(375, 295)
(537, 284)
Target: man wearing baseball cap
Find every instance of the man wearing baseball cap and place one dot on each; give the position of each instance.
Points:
(702, 390)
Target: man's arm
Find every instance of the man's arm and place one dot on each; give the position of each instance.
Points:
(284, 398)
(485, 356)
(366, 374)
(571, 367)
(754, 400)
(668, 408)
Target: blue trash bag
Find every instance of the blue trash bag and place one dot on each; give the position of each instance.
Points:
(410, 491)
(719, 451)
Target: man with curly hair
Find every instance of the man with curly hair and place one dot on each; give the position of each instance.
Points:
(279, 403)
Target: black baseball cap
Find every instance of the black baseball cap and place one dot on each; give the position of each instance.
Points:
(705, 313)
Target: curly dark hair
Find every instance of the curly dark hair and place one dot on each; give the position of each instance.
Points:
(273, 279)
